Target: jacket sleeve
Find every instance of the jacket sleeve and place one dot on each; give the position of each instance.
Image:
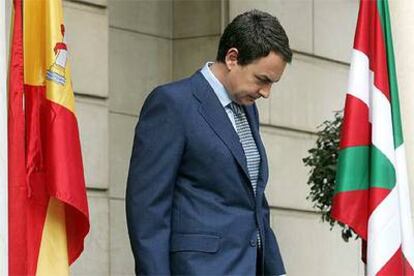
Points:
(156, 155)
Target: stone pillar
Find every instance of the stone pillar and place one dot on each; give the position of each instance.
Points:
(197, 27)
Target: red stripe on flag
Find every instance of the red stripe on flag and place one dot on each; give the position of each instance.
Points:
(54, 155)
(356, 128)
(351, 208)
(354, 207)
(44, 163)
(65, 178)
(19, 261)
(369, 39)
(376, 196)
(397, 265)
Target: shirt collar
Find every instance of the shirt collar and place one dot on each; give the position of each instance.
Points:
(217, 86)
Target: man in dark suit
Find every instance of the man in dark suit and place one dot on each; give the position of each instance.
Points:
(195, 194)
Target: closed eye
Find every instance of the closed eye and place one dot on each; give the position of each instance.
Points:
(264, 80)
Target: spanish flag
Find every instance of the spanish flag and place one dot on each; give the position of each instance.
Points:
(48, 210)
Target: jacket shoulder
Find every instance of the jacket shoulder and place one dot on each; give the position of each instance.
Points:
(174, 96)
(180, 89)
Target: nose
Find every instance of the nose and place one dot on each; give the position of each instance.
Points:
(265, 91)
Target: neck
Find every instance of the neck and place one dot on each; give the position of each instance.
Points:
(219, 70)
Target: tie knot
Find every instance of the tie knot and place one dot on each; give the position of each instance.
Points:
(237, 109)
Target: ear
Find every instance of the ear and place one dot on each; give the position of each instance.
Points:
(231, 58)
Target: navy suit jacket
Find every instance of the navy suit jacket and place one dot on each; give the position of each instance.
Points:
(190, 205)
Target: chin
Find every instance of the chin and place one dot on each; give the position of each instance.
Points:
(247, 102)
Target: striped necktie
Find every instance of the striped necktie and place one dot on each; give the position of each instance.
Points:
(248, 144)
(250, 148)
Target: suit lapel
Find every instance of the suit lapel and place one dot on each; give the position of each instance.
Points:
(250, 113)
(215, 115)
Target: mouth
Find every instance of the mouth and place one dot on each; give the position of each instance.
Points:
(250, 100)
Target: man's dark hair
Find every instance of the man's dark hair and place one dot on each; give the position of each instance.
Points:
(254, 34)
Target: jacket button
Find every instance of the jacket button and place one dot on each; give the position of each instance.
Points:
(252, 243)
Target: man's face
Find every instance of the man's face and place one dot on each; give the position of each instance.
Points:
(249, 82)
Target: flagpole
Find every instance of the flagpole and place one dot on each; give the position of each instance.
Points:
(3, 143)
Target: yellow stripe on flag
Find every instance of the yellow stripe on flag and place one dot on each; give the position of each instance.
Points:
(34, 42)
(45, 64)
(53, 256)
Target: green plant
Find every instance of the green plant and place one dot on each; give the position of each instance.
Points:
(322, 161)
